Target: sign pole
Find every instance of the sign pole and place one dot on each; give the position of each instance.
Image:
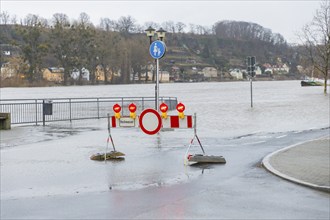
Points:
(155, 70)
(157, 85)
(157, 50)
(251, 92)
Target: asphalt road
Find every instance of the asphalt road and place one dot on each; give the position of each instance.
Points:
(153, 183)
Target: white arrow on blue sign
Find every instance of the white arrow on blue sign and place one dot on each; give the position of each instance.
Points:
(157, 49)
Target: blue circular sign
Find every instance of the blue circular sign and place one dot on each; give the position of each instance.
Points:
(157, 49)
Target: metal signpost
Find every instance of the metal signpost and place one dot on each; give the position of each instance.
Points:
(157, 50)
(251, 62)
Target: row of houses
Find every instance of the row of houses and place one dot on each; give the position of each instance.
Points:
(56, 74)
(268, 70)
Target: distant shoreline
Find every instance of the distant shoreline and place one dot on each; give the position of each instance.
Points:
(10, 84)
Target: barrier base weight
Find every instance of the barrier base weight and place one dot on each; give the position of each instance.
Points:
(112, 155)
(200, 158)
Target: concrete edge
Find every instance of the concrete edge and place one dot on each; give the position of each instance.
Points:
(266, 164)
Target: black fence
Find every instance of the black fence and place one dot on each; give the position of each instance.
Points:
(24, 111)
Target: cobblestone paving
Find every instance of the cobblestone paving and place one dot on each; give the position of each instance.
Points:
(308, 162)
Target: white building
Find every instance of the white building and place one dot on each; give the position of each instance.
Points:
(164, 76)
(236, 73)
(75, 74)
(269, 71)
(8, 71)
(282, 69)
(210, 72)
(258, 71)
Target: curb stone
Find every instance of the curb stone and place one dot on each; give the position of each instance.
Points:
(266, 163)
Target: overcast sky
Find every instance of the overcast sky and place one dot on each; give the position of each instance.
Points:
(286, 17)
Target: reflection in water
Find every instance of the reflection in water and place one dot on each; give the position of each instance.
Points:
(122, 176)
(111, 172)
(203, 166)
(159, 140)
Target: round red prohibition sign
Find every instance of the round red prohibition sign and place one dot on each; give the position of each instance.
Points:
(150, 121)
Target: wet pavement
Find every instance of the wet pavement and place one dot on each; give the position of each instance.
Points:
(55, 179)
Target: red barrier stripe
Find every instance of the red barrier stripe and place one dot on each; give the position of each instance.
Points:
(189, 121)
(175, 121)
(113, 121)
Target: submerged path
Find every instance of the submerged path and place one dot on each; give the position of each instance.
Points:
(51, 177)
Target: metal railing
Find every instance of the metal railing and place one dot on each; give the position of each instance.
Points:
(24, 111)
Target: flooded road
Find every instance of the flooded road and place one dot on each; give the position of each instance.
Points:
(46, 171)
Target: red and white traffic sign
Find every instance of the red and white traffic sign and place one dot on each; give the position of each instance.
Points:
(150, 121)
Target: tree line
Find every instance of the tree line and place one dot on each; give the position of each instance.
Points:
(75, 45)
(115, 45)
(121, 45)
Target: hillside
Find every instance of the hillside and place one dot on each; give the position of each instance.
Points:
(224, 53)
(85, 46)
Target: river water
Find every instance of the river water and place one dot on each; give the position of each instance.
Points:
(223, 109)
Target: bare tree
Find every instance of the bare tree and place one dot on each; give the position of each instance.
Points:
(34, 46)
(84, 19)
(61, 20)
(107, 24)
(169, 26)
(316, 40)
(153, 25)
(126, 25)
(13, 19)
(4, 17)
(192, 28)
(180, 27)
(62, 40)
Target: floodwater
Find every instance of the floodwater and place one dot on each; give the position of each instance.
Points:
(222, 108)
(46, 171)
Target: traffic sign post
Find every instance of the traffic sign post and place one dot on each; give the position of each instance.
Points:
(251, 64)
(157, 50)
(157, 85)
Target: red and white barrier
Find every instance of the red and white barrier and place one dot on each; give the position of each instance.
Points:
(173, 121)
(150, 121)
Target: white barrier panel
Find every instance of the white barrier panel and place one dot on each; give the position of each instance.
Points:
(124, 121)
